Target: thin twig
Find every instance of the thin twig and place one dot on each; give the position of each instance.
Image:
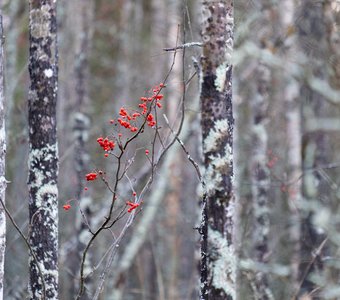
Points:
(187, 45)
(185, 150)
(315, 255)
(28, 245)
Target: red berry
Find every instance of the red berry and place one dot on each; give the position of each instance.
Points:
(66, 207)
(91, 176)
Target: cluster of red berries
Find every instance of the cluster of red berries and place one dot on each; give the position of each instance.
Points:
(132, 206)
(128, 121)
(156, 95)
(91, 176)
(106, 144)
(151, 120)
(126, 118)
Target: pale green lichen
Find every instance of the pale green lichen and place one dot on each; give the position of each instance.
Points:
(49, 188)
(40, 22)
(216, 134)
(219, 162)
(213, 176)
(223, 267)
(221, 75)
(213, 180)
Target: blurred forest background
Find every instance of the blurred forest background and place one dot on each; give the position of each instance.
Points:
(286, 145)
(110, 54)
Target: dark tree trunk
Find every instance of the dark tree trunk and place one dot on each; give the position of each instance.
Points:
(43, 155)
(218, 265)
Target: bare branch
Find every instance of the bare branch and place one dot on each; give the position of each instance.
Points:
(183, 46)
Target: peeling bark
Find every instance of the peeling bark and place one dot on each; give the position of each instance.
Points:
(218, 262)
(2, 165)
(43, 155)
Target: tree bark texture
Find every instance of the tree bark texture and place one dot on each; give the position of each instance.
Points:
(218, 262)
(43, 155)
(2, 165)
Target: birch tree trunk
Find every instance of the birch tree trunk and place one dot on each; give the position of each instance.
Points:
(292, 106)
(218, 262)
(43, 155)
(81, 134)
(260, 180)
(2, 165)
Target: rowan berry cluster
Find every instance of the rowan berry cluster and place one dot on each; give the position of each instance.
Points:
(128, 120)
(106, 144)
(133, 120)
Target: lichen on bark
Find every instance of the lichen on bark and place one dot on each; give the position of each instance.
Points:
(217, 130)
(43, 157)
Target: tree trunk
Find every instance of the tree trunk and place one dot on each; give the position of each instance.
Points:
(260, 179)
(43, 155)
(313, 38)
(218, 265)
(292, 112)
(81, 130)
(2, 165)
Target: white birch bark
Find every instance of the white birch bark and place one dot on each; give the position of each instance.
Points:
(291, 91)
(81, 128)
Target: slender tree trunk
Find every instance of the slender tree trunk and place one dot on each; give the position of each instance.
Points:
(260, 179)
(11, 61)
(259, 171)
(218, 262)
(81, 134)
(292, 112)
(43, 155)
(314, 36)
(2, 165)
